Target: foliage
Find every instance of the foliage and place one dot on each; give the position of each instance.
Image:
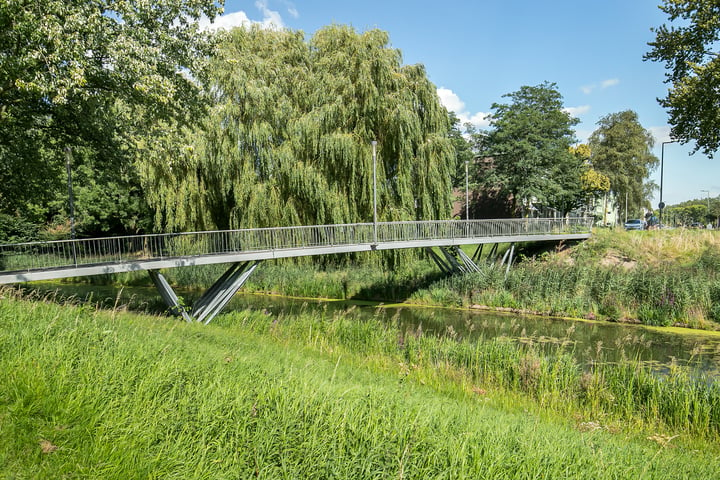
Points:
(687, 213)
(15, 230)
(581, 150)
(594, 182)
(698, 210)
(95, 77)
(288, 141)
(689, 52)
(530, 144)
(621, 150)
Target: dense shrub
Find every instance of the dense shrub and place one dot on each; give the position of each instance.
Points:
(15, 229)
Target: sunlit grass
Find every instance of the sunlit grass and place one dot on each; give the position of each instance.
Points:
(109, 394)
(651, 248)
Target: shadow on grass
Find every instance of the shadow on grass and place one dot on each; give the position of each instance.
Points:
(397, 290)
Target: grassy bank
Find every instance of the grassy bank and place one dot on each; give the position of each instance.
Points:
(108, 394)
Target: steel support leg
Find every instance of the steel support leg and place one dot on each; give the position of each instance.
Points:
(455, 260)
(169, 296)
(213, 300)
(446, 269)
(470, 266)
(456, 267)
(510, 258)
(201, 303)
(217, 296)
(493, 252)
(478, 253)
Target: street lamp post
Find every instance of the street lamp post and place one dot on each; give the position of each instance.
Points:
(626, 206)
(661, 205)
(374, 157)
(708, 200)
(68, 166)
(71, 204)
(467, 193)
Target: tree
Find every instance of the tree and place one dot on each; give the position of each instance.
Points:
(530, 145)
(592, 183)
(288, 141)
(621, 150)
(96, 77)
(690, 54)
(699, 210)
(687, 213)
(463, 149)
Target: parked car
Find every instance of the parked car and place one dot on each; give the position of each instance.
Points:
(635, 224)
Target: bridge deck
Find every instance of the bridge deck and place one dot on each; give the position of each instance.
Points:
(24, 262)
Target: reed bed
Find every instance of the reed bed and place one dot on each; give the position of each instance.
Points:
(109, 394)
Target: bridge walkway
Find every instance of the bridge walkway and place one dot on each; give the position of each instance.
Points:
(244, 248)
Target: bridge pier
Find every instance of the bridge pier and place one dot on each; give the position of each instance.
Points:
(213, 300)
(457, 261)
(509, 257)
(168, 295)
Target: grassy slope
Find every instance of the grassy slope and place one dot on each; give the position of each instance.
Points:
(650, 248)
(86, 394)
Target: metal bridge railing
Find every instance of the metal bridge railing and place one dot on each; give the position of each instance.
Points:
(97, 251)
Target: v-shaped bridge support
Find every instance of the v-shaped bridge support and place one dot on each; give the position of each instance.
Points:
(457, 261)
(213, 300)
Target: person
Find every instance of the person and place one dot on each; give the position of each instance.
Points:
(652, 221)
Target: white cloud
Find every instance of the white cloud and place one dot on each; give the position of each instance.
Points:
(452, 102)
(577, 111)
(609, 83)
(271, 19)
(583, 135)
(588, 89)
(226, 22)
(291, 9)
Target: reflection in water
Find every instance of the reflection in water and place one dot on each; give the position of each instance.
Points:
(587, 341)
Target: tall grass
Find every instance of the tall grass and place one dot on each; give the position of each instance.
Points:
(94, 394)
(305, 279)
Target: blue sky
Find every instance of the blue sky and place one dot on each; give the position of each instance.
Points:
(476, 51)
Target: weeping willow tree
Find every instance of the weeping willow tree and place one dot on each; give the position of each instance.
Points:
(288, 140)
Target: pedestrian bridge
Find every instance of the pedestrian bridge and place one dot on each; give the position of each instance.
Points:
(244, 248)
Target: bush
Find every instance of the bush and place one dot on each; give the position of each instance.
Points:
(17, 230)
